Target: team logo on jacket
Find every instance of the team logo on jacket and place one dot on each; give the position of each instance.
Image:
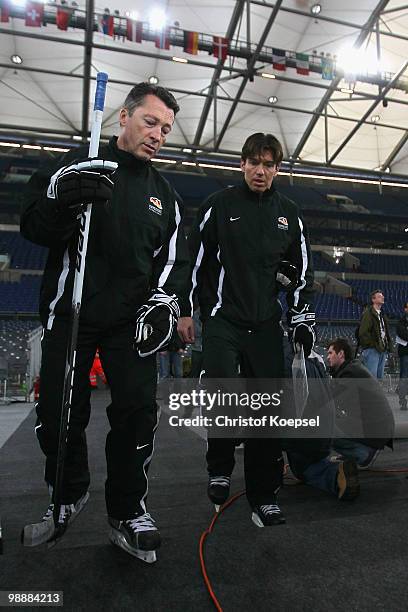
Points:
(283, 223)
(155, 205)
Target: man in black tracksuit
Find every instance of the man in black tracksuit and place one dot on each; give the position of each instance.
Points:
(237, 245)
(137, 255)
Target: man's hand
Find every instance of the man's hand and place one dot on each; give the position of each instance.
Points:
(301, 329)
(155, 323)
(185, 328)
(86, 181)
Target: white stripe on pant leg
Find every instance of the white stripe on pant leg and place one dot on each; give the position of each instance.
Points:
(60, 289)
(148, 460)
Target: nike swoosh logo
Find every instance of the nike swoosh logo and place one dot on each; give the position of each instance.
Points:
(140, 447)
(234, 218)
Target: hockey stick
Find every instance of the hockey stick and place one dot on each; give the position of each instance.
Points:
(51, 530)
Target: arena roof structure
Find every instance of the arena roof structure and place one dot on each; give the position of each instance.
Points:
(329, 79)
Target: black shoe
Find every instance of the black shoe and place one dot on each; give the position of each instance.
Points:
(267, 515)
(219, 489)
(138, 536)
(347, 481)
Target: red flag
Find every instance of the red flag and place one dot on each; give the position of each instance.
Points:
(4, 13)
(191, 42)
(134, 30)
(63, 17)
(34, 14)
(220, 47)
(162, 40)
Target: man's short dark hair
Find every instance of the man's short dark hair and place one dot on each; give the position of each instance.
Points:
(258, 143)
(341, 344)
(138, 93)
(372, 294)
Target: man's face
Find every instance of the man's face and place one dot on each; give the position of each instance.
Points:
(378, 299)
(335, 360)
(144, 132)
(259, 171)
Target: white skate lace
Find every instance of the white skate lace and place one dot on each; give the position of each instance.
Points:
(269, 509)
(65, 512)
(142, 523)
(222, 481)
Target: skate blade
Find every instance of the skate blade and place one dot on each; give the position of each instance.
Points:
(37, 533)
(148, 556)
(257, 520)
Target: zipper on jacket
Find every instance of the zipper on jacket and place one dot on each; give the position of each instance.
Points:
(260, 196)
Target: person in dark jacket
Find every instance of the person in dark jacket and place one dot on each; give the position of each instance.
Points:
(374, 335)
(136, 265)
(238, 242)
(402, 342)
(365, 421)
(362, 410)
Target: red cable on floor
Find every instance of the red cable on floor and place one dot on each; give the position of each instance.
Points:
(209, 531)
(201, 548)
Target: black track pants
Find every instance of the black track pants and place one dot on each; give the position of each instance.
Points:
(132, 415)
(259, 353)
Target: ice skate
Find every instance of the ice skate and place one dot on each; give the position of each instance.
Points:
(46, 531)
(267, 515)
(218, 490)
(138, 536)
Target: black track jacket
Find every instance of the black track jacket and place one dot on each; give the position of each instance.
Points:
(236, 244)
(136, 242)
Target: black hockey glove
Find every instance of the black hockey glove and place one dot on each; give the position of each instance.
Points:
(155, 322)
(287, 276)
(87, 181)
(301, 333)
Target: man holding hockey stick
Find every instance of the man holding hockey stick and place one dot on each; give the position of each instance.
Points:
(249, 242)
(136, 263)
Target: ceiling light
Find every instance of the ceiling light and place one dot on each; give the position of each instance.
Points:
(157, 19)
(153, 80)
(359, 61)
(28, 146)
(75, 137)
(187, 150)
(9, 144)
(16, 59)
(272, 99)
(181, 60)
(375, 118)
(315, 9)
(56, 149)
(164, 161)
(347, 90)
(266, 75)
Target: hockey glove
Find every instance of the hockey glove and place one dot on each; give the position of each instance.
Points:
(155, 323)
(287, 276)
(86, 181)
(301, 332)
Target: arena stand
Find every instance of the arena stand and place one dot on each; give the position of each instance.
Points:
(351, 243)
